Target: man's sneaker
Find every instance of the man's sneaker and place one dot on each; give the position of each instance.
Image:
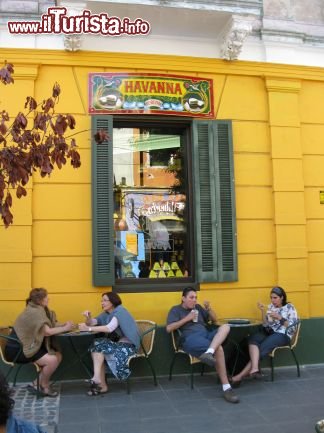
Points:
(208, 358)
(230, 396)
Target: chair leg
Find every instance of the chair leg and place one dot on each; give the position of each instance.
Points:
(237, 355)
(297, 363)
(153, 371)
(171, 366)
(272, 368)
(8, 372)
(38, 394)
(16, 374)
(128, 385)
(191, 376)
(202, 369)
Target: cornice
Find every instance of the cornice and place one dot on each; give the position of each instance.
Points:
(253, 7)
(292, 37)
(290, 31)
(157, 62)
(25, 9)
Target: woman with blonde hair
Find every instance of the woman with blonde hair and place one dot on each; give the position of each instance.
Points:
(33, 329)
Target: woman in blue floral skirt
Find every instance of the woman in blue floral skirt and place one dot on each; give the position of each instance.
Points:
(121, 342)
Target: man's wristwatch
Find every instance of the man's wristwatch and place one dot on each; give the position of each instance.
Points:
(90, 329)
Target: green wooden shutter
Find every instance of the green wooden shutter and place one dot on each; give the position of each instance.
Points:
(205, 201)
(226, 227)
(214, 201)
(102, 205)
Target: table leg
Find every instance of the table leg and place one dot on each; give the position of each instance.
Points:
(80, 357)
(236, 355)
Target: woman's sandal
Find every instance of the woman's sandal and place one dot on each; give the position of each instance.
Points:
(95, 389)
(33, 389)
(234, 383)
(256, 375)
(94, 392)
(49, 393)
(41, 392)
(89, 381)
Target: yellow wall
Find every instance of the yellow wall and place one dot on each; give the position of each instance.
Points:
(278, 129)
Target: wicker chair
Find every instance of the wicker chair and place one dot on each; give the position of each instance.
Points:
(176, 336)
(292, 344)
(147, 331)
(4, 338)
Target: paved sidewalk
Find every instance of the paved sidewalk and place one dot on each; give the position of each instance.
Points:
(287, 405)
(43, 411)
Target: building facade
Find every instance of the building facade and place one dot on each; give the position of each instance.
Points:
(269, 228)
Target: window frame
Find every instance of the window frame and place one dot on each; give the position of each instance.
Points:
(219, 149)
(131, 285)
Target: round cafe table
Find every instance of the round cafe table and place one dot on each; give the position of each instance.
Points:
(238, 322)
(79, 343)
(241, 328)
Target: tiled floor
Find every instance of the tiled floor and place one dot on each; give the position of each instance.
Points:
(287, 405)
(43, 411)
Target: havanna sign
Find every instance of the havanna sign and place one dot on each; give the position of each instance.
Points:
(122, 93)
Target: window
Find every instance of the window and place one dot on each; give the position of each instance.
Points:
(151, 201)
(160, 220)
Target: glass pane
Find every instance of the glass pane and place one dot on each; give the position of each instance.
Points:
(150, 203)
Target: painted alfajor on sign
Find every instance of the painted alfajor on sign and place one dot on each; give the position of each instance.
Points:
(121, 93)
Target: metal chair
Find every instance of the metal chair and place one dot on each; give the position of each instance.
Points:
(147, 330)
(4, 338)
(292, 344)
(176, 339)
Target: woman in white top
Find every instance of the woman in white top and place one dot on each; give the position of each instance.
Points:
(121, 341)
(278, 316)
